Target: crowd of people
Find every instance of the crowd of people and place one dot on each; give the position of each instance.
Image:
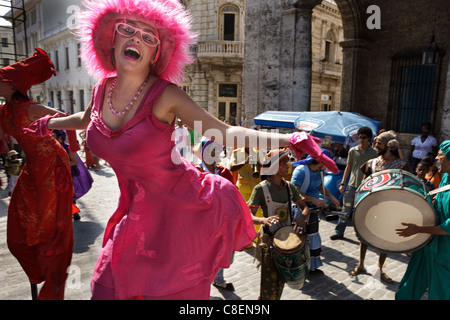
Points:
(362, 160)
(137, 49)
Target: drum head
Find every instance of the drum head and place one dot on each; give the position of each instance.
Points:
(286, 239)
(381, 212)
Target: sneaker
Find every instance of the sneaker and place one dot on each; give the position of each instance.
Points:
(225, 286)
(336, 237)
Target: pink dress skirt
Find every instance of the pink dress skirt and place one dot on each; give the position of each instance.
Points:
(174, 226)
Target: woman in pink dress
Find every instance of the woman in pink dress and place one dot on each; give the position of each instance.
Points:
(174, 226)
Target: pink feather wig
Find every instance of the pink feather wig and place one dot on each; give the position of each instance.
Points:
(95, 30)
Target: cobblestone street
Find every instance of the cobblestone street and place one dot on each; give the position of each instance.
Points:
(339, 257)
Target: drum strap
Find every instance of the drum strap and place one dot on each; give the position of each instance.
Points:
(268, 197)
(374, 164)
(438, 190)
(288, 188)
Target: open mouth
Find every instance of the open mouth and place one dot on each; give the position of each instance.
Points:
(132, 53)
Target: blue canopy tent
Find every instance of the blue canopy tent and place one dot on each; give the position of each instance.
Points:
(336, 126)
(280, 119)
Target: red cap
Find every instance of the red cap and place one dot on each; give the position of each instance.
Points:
(30, 71)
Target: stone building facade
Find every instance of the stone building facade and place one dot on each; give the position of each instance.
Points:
(383, 75)
(216, 79)
(71, 89)
(326, 53)
(48, 26)
(28, 28)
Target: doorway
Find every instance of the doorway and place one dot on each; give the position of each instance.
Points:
(227, 103)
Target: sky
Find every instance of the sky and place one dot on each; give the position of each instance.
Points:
(4, 10)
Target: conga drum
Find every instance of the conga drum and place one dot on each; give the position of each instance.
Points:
(291, 256)
(386, 199)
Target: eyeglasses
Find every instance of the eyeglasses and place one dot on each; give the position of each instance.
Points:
(128, 31)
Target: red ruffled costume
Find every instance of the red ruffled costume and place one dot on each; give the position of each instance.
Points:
(39, 229)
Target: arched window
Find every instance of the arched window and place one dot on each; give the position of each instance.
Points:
(229, 23)
(330, 48)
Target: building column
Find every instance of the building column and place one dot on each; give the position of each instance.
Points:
(354, 75)
(296, 54)
(445, 123)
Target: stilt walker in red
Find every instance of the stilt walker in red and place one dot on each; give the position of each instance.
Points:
(39, 229)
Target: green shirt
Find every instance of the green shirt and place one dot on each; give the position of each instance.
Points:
(355, 159)
(278, 194)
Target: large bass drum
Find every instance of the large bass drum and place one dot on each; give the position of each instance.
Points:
(386, 199)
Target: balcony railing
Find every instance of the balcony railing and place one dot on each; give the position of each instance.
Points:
(327, 67)
(223, 49)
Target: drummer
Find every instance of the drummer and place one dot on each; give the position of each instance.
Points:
(272, 195)
(428, 268)
(386, 145)
(308, 180)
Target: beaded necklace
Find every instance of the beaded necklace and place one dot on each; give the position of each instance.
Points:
(128, 107)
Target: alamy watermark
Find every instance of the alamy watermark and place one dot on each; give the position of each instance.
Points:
(73, 280)
(73, 10)
(257, 142)
(374, 20)
(374, 281)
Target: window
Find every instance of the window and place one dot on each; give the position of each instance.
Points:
(31, 18)
(34, 40)
(82, 105)
(326, 102)
(21, 47)
(52, 99)
(58, 96)
(56, 60)
(412, 94)
(71, 102)
(229, 23)
(330, 54)
(227, 103)
(5, 42)
(227, 90)
(78, 54)
(67, 59)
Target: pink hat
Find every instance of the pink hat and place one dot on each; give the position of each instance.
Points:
(96, 28)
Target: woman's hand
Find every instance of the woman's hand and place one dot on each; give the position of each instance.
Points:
(39, 127)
